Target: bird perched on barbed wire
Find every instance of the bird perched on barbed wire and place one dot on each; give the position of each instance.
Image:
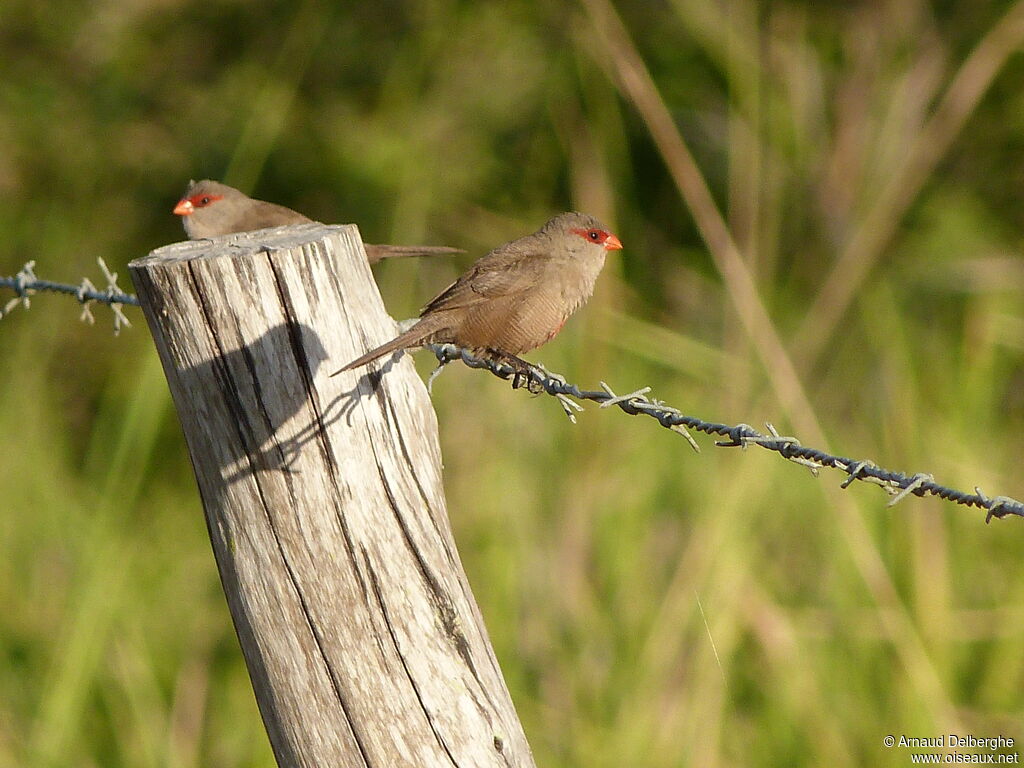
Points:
(517, 297)
(209, 209)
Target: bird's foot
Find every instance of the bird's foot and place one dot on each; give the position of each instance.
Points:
(522, 373)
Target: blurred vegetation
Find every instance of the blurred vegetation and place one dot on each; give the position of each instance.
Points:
(650, 607)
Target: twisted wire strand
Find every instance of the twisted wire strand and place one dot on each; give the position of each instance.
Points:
(26, 283)
(537, 379)
(898, 484)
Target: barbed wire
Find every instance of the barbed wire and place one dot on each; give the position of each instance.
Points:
(26, 283)
(537, 379)
(898, 485)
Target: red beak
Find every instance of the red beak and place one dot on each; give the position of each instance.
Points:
(185, 208)
(612, 243)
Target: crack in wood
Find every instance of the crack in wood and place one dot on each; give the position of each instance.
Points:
(388, 410)
(319, 426)
(302, 362)
(218, 366)
(401, 656)
(439, 596)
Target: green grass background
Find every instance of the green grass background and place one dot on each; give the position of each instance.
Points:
(650, 606)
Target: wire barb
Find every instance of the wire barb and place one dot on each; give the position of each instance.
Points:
(571, 407)
(784, 443)
(441, 364)
(739, 436)
(915, 482)
(897, 484)
(616, 399)
(26, 283)
(21, 283)
(998, 507)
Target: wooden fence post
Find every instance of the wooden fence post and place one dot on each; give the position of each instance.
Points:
(325, 506)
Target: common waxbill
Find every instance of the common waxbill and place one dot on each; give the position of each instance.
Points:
(518, 296)
(209, 209)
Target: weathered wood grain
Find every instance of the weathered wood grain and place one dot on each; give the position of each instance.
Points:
(325, 507)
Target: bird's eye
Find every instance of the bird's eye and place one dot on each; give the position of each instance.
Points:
(595, 235)
(205, 201)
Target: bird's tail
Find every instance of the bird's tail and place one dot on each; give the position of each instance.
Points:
(375, 253)
(414, 337)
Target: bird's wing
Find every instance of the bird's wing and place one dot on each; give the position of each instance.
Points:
(266, 215)
(499, 273)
